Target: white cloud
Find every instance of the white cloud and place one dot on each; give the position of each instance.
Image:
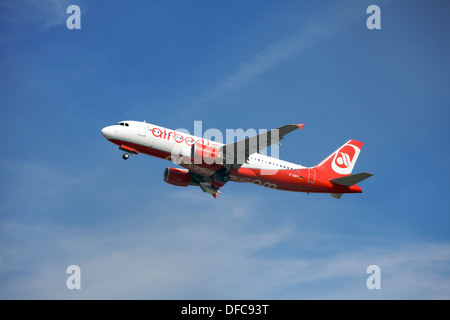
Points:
(23, 18)
(46, 13)
(332, 20)
(179, 243)
(198, 253)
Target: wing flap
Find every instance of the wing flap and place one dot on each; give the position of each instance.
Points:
(208, 188)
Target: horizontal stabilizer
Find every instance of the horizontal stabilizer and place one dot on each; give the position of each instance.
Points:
(348, 181)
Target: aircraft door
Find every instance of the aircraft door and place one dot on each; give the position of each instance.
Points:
(311, 175)
(142, 129)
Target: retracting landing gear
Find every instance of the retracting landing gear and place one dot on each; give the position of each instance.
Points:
(226, 177)
(223, 175)
(128, 151)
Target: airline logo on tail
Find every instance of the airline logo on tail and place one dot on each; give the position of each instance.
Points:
(345, 158)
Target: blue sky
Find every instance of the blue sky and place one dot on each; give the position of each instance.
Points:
(67, 197)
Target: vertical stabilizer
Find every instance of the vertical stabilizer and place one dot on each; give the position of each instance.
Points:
(341, 162)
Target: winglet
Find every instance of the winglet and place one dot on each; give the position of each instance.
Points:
(301, 126)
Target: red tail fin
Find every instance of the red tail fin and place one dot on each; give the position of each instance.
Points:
(341, 162)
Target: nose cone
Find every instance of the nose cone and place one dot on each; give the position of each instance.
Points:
(107, 132)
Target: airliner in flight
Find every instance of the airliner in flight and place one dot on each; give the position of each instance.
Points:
(210, 165)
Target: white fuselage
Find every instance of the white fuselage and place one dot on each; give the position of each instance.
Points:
(177, 144)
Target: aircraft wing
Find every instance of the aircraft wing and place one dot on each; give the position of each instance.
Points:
(237, 153)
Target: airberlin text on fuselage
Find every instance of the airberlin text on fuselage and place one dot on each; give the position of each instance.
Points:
(179, 138)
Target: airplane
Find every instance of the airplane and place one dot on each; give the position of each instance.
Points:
(210, 164)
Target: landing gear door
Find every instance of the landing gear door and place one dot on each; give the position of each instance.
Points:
(142, 129)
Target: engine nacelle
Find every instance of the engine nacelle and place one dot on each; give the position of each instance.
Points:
(217, 181)
(177, 177)
(202, 154)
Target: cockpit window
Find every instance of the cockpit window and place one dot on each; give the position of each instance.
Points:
(126, 124)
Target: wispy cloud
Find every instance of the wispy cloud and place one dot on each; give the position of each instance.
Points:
(333, 20)
(22, 18)
(163, 250)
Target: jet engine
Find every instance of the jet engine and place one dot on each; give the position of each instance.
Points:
(202, 154)
(177, 177)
